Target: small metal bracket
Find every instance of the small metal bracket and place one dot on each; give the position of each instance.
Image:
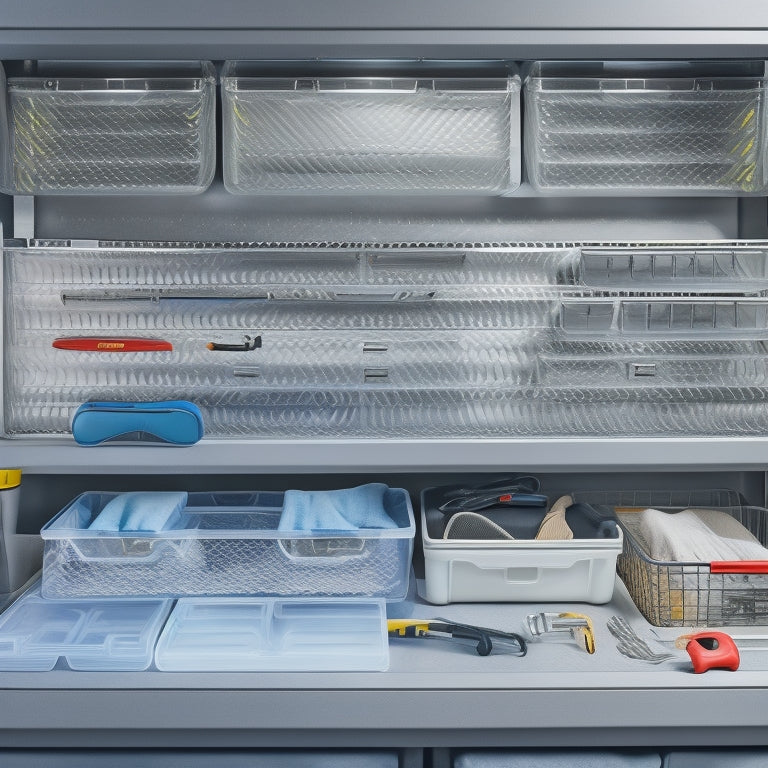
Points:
(375, 374)
(374, 346)
(642, 370)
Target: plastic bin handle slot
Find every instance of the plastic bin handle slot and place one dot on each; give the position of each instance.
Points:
(739, 566)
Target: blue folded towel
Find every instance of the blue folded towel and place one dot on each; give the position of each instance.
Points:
(140, 511)
(348, 509)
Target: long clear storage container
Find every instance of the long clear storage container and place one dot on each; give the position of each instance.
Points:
(269, 634)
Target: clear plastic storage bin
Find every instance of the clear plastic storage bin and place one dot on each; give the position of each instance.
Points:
(117, 130)
(642, 128)
(352, 135)
(225, 544)
(269, 635)
(94, 635)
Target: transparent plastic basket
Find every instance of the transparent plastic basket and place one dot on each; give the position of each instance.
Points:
(225, 544)
(112, 133)
(380, 135)
(644, 128)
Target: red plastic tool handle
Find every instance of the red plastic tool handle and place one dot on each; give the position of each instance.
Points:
(739, 566)
(124, 344)
(712, 650)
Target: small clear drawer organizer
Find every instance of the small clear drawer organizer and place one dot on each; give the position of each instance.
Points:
(393, 341)
(353, 135)
(642, 128)
(110, 130)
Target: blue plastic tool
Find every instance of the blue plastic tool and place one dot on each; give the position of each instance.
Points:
(173, 422)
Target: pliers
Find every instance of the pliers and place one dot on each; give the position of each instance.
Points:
(485, 639)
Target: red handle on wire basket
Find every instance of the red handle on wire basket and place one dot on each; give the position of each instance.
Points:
(739, 566)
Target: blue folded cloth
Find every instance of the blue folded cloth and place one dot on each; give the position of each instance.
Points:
(348, 509)
(140, 511)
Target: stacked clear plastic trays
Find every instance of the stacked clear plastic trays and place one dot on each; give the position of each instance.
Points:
(397, 340)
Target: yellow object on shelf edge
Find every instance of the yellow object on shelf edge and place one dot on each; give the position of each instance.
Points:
(9, 478)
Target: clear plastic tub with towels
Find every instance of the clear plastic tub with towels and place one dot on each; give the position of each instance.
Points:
(226, 543)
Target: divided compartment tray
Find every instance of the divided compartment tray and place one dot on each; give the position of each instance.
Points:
(643, 128)
(687, 594)
(118, 129)
(695, 268)
(225, 544)
(260, 635)
(93, 635)
(357, 135)
(513, 570)
(670, 317)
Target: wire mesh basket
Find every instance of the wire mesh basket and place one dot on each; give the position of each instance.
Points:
(690, 594)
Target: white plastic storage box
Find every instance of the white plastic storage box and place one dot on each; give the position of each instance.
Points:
(271, 634)
(118, 129)
(94, 635)
(513, 570)
(645, 128)
(353, 135)
(225, 544)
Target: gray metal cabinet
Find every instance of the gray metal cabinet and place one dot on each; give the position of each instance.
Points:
(427, 700)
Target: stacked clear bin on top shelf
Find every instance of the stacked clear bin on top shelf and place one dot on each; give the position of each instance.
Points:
(109, 129)
(646, 128)
(386, 341)
(356, 135)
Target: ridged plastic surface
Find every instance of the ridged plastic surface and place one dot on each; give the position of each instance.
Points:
(70, 137)
(380, 136)
(391, 341)
(262, 635)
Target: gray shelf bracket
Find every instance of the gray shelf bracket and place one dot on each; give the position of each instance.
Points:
(24, 217)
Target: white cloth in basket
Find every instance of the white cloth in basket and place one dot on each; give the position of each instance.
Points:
(698, 535)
